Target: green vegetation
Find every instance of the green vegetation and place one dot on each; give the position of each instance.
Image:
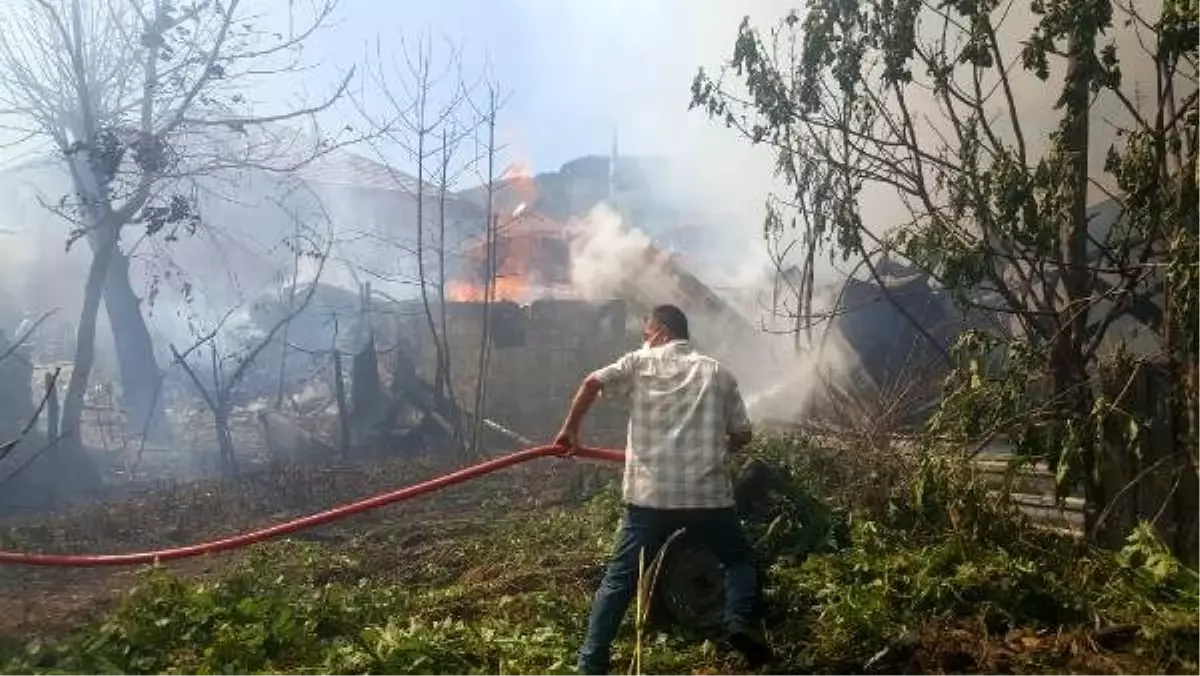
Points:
(900, 131)
(919, 584)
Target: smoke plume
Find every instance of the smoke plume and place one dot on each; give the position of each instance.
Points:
(779, 379)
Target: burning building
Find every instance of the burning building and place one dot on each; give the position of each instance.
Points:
(571, 284)
(531, 258)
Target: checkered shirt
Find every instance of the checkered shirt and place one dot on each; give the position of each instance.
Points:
(682, 408)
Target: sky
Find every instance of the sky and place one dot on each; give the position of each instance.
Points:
(575, 72)
(578, 73)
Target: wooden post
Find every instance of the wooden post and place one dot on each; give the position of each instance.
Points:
(340, 390)
(51, 407)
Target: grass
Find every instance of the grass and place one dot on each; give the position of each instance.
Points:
(917, 587)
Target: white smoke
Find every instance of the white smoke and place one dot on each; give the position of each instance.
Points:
(779, 380)
(605, 255)
(610, 259)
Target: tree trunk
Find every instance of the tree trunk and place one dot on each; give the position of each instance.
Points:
(1072, 389)
(52, 413)
(339, 389)
(225, 441)
(85, 337)
(369, 405)
(135, 349)
(446, 384)
(488, 281)
(283, 338)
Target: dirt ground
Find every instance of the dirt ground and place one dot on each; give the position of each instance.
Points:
(45, 601)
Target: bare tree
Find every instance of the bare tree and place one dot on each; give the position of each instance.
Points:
(445, 387)
(136, 98)
(229, 370)
(427, 103)
(488, 114)
(423, 125)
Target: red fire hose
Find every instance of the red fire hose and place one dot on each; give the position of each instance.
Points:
(310, 521)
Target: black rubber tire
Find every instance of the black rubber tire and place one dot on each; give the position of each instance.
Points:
(690, 592)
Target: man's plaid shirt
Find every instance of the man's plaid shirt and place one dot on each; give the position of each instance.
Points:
(682, 408)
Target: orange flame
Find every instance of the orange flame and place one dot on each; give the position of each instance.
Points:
(518, 274)
(520, 182)
(512, 288)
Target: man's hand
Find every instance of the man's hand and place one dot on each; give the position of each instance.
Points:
(568, 436)
(567, 439)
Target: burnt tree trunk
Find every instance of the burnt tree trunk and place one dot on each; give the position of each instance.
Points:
(220, 409)
(339, 389)
(52, 413)
(225, 447)
(365, 386)
(370, 406)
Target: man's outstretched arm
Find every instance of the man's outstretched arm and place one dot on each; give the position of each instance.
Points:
(585, 396)
(614, 375)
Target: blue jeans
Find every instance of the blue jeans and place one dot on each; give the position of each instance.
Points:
(645, 528)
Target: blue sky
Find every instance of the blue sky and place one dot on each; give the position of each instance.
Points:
(489, 33)
(575, 70)
(509, 36)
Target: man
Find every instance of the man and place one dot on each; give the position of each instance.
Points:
(686, 414)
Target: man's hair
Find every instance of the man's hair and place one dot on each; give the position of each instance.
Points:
(672, 319)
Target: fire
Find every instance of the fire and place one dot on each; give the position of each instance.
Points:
(531, 255)
(510, 288)
(520, 181)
